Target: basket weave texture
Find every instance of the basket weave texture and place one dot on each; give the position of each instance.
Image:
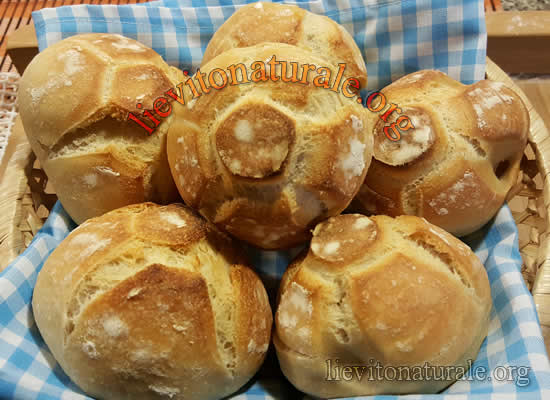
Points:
(9, 82)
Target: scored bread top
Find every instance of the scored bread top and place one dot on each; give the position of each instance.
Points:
(153, 294)
(86, 78)
(457, 164)
(282, 23)
(74, 100)
(396, 291)
(266, 161)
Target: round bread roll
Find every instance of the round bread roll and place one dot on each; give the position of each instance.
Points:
(282, 23)
(74, 99)
(267, 161)
(372, 295)
(457, 164)
(152, 302)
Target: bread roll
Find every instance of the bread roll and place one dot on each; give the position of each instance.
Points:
(74, 99)
(151, 302)
(266, 161)
(460, 160)
(379, 291)
(282, 23)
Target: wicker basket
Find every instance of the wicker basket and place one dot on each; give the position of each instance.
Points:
(26, 199)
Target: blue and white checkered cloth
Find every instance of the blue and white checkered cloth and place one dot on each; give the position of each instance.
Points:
(29, 371)
(396, 37)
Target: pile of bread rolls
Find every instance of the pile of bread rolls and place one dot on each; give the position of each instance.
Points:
(149, 299)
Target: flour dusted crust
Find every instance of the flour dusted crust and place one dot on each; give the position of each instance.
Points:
(151, 302)
(282, 23)
(266, 161)
(74, 100)
(399, 292)
(458, 163)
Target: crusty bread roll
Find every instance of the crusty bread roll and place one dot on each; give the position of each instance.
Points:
(151, 302)
(460, 160)
(379, 291)
(74, 99)
(266, 161)
(283, 23)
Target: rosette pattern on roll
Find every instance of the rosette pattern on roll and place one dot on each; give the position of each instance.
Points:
(282, 23)
(266, 160)
(376, 296)
(151, 302)
(457, 158)
(74, 101)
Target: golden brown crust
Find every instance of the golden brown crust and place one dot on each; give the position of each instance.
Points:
(457, 164)
(172, 227)
(409, 148)
(164, 336)
(451, 249)
(143, 301)
(74, 101)
(254, 319)
(415, 294)
(343, 239)
(267, 168)
(270, 137)
(258, 23)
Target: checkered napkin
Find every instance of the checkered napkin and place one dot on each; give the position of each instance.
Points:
(29, 371)
(396, 37)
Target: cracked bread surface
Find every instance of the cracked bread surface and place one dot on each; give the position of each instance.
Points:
(266, 161)
(398, 291)
(74, 100)
(457, 165)
(258, 23)
(151, 301)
